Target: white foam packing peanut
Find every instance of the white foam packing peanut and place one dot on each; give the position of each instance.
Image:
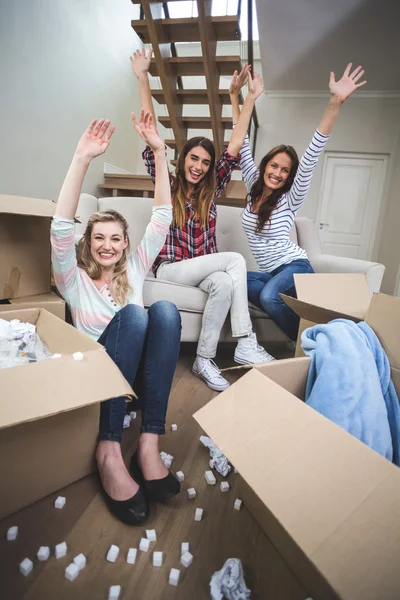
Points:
(12, 533)
(210, 478)
(56, 356)
(191, 493)
(77, 356)
(127, 422)
(224, 486)
(187, 559)
(157, 559)
(174, 426)
(151, 535)
(71, 572)
(114, 592)
(180, 475)
(60, 502)
(144, 545)
(198, 514)
(131, 558)
(43, 553)
(238, 504)
(61, 550)
(174, 576)
(184, 547)
(26, 566)
(112, 554)
(80, 561)
(132, 415)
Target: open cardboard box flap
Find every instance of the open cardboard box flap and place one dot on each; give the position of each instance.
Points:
(34, 391)
(321, 494)
(19, 205)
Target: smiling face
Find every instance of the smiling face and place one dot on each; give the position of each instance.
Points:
(277, 171)
(107, 244)
(197, 164)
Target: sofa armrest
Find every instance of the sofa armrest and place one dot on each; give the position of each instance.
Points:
(327, 263)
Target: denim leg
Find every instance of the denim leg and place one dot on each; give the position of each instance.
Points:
(154, 380)
(282, 282)
(255, 283)
(124, 339)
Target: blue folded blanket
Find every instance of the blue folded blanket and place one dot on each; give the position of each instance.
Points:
(349, 383)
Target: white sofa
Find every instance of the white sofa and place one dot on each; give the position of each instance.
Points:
(230, 237)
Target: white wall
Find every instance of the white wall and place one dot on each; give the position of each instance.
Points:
(62, 64)
(370, 125)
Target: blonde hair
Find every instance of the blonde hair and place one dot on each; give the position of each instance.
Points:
(203, 192)
(120, 287)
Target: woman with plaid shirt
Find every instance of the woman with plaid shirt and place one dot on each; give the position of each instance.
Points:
(190, 255)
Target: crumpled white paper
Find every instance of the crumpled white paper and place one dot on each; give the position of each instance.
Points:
(15, 330)
(229, 582)
(219, 461)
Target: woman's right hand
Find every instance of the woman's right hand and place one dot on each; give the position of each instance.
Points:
(95, 140)
(140, 63)
(147, 131)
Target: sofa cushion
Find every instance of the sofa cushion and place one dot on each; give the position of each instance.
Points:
(186, 297)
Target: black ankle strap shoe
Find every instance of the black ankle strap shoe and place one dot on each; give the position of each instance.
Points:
(155, 489)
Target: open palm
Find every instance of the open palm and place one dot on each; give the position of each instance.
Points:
(96, 138)
(147, 130)
(140, 61)
(343, 88)
(256, 85)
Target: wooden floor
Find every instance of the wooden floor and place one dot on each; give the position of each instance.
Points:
(86, 525)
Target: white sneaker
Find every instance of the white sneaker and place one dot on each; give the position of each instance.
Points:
(206, 369)
(249, 352)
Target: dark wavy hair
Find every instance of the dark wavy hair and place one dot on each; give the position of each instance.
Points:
(269, 203)
(204, 191)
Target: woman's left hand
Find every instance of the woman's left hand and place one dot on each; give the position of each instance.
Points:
(147, 131)
(342, 89)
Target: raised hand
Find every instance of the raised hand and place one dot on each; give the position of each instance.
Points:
(239, 80)
(147, 131)
(140, 62)
(342, 89)
(96, 139)
(256, 85)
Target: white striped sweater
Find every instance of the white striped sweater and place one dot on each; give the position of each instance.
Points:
(272, 247)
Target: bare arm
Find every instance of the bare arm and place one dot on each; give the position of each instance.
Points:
(238, 81)
(140, 63)
(147, 131)
(93, 142)
(340, 91)
(239, 133)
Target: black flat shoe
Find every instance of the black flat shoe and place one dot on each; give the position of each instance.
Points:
(134, 511)
(156, 489)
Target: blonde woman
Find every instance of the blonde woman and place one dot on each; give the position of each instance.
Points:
(102, 282)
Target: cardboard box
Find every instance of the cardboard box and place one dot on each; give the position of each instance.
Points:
(329, 503)
(24, 246)
(322, 297)
(49, 412)
(51, 302)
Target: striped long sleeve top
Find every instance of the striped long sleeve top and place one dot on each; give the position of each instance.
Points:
(272, 247)
(92, 309)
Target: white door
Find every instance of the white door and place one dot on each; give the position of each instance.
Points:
(351, 197)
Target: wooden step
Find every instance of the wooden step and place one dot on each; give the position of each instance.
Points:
(199, 96)
(193, 66)
(226, 28)
(196, 122)
(172, 144)
(141, 183)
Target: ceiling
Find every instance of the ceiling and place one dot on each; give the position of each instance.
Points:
(301, 41)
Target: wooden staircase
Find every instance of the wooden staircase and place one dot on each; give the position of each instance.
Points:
(162, 33)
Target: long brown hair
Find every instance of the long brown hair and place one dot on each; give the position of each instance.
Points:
(269, 203)
(120, 287)
(203, 192)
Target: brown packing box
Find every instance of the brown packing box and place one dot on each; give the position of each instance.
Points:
(322, 297)
(329, 503)
(51, 302)
(49, 412)
(24, 246)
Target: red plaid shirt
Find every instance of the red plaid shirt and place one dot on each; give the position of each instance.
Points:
(192, 240)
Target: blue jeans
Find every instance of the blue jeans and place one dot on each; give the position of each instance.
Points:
(145, 347)
(263, 290)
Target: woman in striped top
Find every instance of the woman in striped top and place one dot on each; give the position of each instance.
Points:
(190, 255)
(276, 191)
(102, 282)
